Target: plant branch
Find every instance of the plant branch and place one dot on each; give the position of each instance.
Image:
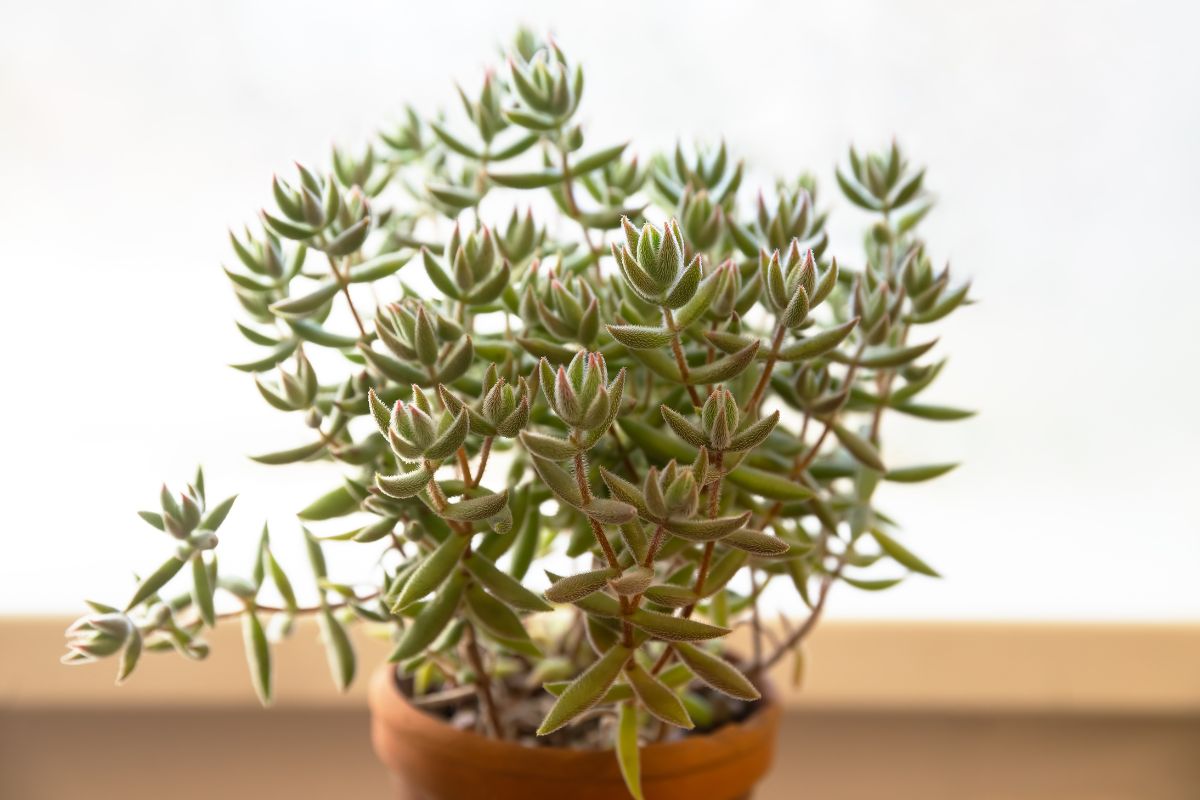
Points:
(680, 360)
(585, 490)
(482, 681)
(760, 388)
(805, 629)
(342, 282)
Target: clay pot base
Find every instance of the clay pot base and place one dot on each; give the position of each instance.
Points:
(430, 760)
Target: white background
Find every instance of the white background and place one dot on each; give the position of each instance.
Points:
(1062, 139)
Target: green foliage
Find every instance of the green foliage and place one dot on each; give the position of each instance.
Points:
(685, 389)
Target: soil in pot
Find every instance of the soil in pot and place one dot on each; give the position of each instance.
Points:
(434, 752)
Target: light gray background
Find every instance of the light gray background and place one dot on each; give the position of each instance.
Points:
(1062, 139)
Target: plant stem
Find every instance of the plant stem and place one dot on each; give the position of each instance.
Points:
(484, 452)
(804, 630)
(755, 622)
(573, 207)
(299, 611)
(655, 543)
(342, 282)
(482, 681)
(680, 360)
(760, 388)
(629, 467)
(585, 492)
(714, 504)
(464, 466)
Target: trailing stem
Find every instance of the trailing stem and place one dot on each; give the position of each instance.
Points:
(482, 681)
(760, 388)
(345, 285)
(680, 360)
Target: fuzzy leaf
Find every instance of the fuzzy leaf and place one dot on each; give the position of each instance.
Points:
(935, 413)
(213, 519)
(862, 450)
(290, 456)
(887, 357)
(706, 530)
(586, 690)
(156, 580)
(726, 367)
(430, 622)
(298, 307)
(258, 656)
(641, 337)
(338, 649)
(336, 503)
(494, 617)
(576, 587)
(902, 555)
(634, 581)
(451, 439)
(924, 472)
(202, 590)
(629, 758)
(657, 697)
(404, 484)
(818, 344)
(671, 595)
(527, 180)
(503, 585)
(433, 570)
(477, 508)
(675, 629)
(624, 491)
(722, 571)
(755, 434)
(609, 512)
(548, 447)
(561, 483)
(717, 672)
(756, 481)
(683, 428)
(756, 542)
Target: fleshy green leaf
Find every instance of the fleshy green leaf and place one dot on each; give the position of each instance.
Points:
(586, 690)
(675, 629)
(433, 570)
(431, 621)
(924, 472)
(656, 697)
(862, 450)
(335, 503)
(717, 672)
(576, 587)
(477, 508)
(629, 758)
(258, 656)
(503, 585)
(494, 617)
(338, 650)
(902, 555)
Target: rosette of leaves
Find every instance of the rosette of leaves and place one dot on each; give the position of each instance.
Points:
(565, 310)
(794, 217)
(640, 368)
(706, 169)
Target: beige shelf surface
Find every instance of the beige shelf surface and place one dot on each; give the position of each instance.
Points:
(851, 665)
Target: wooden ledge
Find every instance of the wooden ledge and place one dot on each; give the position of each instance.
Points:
(852, 665)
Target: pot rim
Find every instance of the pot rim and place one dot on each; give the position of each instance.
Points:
(661, 760)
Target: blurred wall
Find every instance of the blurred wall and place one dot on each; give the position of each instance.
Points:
(1061, 139)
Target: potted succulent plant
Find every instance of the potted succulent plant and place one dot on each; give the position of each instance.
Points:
(678, 396)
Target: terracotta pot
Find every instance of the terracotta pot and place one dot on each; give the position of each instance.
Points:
(429, 760)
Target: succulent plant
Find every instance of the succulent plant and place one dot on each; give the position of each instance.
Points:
(670, 384)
